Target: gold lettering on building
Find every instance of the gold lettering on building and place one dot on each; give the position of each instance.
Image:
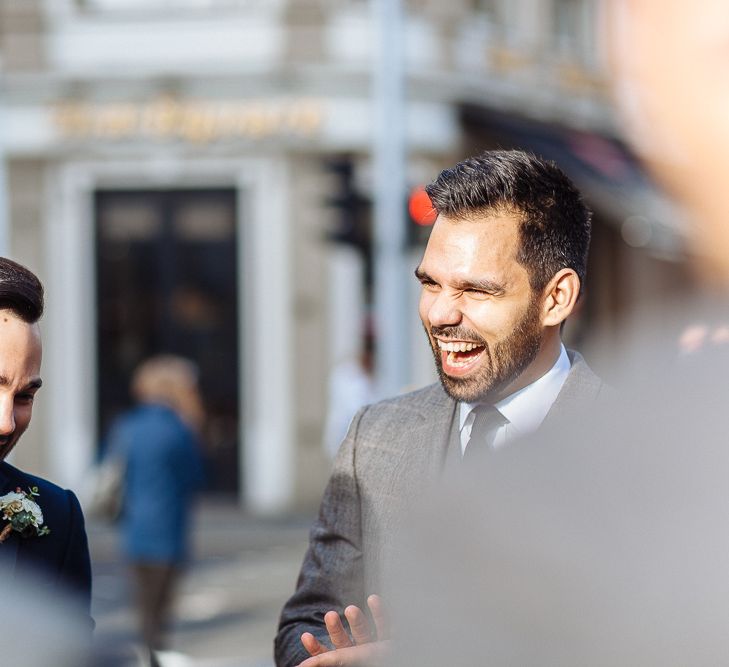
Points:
(197, 122)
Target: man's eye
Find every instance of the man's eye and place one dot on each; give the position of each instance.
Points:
(484, 293)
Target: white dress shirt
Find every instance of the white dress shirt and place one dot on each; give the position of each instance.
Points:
(525, 409)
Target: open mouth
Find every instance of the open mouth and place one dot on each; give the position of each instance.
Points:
(459, 357)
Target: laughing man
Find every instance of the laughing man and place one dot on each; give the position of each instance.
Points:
(501, 273)
(43, 544)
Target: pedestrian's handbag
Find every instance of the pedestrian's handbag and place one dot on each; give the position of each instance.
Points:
(107, 492)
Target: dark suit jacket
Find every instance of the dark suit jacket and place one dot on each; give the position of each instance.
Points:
(57, 563)
(393, 449)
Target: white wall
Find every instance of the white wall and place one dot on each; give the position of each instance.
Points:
(70, 327)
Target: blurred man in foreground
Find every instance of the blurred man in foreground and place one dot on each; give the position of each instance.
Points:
(42, 535)
(670, 68)
(502, 271)
(38, 630)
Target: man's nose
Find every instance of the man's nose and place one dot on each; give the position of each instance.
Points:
(7, 417)
(444, 311)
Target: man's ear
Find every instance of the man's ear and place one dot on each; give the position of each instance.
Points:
(560, 297)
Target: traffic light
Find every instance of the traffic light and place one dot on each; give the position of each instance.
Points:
(352, 224)
(421, 216)
(353, 220)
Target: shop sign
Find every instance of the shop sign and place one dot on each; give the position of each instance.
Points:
(198, 122)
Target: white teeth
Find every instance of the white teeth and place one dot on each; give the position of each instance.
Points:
(457, 347)
(458, 364)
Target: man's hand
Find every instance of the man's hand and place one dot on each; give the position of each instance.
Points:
(363, 647)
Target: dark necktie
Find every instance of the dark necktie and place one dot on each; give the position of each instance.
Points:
(485, 424)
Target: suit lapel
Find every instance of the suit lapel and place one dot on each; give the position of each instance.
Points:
(9, 548)
(425, 441)
(580, 391)
(417, 449)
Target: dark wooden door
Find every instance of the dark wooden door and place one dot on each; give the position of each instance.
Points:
(167, 282)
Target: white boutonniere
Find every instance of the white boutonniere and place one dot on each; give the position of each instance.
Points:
(22, 514)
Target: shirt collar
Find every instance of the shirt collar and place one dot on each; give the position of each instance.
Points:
(527, 408)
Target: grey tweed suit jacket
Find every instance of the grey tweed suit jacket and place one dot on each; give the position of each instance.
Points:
(391, 452)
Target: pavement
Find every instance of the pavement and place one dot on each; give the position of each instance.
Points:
(227, 607)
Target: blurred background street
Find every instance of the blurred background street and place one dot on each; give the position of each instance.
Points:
(242, 572)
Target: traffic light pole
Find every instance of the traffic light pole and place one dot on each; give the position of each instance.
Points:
(390, 272)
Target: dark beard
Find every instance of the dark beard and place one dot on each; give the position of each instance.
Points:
(508, 359)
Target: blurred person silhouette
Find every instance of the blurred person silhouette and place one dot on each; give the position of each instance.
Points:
(673, 95)
(157, 441)
(606, 542)
(43, 541)
(351, 386)
(501, 273)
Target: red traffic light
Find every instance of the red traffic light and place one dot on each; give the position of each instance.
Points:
(421, 208)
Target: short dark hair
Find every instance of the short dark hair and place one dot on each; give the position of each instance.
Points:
(555, 222)
(20, 291)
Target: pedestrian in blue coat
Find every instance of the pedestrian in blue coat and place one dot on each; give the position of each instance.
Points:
(157, 442)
